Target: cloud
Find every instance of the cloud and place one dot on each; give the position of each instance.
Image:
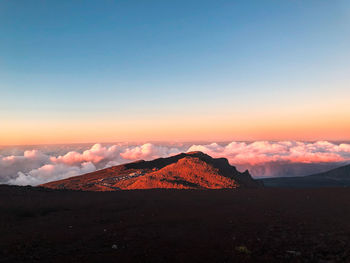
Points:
(51, 172)
(10, 165)
(260, 152)
(96, 154)
(148, 151)
(262, 158)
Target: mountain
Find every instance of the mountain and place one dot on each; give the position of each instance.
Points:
(193, 170)
(336, 177)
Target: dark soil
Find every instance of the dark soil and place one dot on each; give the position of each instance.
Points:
(243, 225)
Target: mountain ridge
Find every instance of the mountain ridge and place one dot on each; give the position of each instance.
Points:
(192, 170)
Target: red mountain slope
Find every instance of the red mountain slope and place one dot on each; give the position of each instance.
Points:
(194, 170)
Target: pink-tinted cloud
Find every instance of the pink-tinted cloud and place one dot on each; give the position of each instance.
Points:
(95, 154)
(148, 151)
(260, 152)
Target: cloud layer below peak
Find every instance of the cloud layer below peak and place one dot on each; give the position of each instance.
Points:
(262, 158)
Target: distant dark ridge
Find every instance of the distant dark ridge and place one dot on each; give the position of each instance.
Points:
(338, 177)
(342, 172)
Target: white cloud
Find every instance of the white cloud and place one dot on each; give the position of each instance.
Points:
(10, 165)
(51, 172)
(148, 151)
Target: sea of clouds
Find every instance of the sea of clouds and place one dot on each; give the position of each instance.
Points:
(20, 166)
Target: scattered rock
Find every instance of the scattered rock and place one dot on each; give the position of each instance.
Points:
(114, 246)
(243, 250)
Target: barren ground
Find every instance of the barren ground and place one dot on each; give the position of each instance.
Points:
(243, 225)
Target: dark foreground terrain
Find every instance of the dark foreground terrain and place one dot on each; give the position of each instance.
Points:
(241, 225)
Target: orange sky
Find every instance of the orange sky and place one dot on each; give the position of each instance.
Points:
(257, 126)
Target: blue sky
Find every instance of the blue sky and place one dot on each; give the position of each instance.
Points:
(66, 61)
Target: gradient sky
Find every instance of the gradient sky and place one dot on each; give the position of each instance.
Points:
(97, 71)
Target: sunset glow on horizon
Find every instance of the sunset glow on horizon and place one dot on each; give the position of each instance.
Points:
(208, 128)
(303, 127)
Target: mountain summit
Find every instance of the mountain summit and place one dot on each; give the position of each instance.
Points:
(192, 170)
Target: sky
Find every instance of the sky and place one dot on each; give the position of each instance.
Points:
(112, 71)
